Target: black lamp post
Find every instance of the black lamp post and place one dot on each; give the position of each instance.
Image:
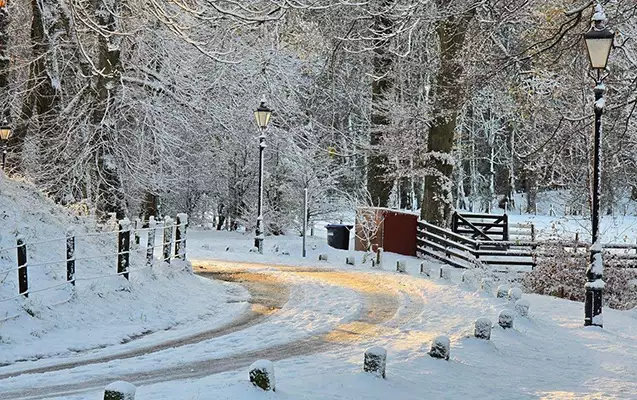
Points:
(599, 41)
(262, 115)
(5, 134)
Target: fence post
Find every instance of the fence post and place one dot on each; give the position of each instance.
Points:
(23, 279)
(123, 247)
(304, 250)
(505, 228)
(168, 238)
(533, 232)
(180, 236)
(137, 227)
(150, 243)
(70, 256)
(576, 242)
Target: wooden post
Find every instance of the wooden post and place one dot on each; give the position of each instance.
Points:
(150, 243)
(505, 228)
(576, 242)
(533, 232)
(70, 256)
(123, 247)
(304, 252)
(137, 227)
(168, 238)
(23, 279)
(180, 236)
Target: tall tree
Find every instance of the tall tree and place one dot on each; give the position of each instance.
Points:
(449, 94)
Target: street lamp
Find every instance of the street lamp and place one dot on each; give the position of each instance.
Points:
(262, 115)
(599, 41)
(5, 134)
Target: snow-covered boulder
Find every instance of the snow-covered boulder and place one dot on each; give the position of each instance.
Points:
(483, 328)
(440, 347)
(502, 292)
(375, 361)
(505, 319)
(262, 375)
(487, 285)
(322, 257)
(401, 266)
(522, 307)
(515, 294)
(120, 390)
(350, 260)
(445, 273)
(425, 268)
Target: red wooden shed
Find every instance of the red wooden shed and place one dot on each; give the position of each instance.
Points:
(393, 230)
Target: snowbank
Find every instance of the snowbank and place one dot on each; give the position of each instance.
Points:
(102, 309)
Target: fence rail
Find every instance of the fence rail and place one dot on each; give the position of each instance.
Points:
(461, 251)
(124, 250)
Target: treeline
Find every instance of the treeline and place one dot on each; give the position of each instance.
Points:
(145, 106)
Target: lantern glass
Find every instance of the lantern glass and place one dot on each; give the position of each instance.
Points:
(263, 115)
(598, 47)
(5, 132)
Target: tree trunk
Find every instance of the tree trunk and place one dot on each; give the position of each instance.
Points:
(4, 62)
(150, 206)
(531, 191)
(510, 188)
(42, 98)
(438, 197)
(378, 186)
(110, 193)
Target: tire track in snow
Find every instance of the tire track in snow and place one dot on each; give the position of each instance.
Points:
(385, 305)
(267, 296)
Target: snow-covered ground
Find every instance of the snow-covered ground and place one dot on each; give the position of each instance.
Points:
(102, 310)
(548, 354)
(179, 335)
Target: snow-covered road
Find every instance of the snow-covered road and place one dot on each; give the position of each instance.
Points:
(316, 322)
(294, 312)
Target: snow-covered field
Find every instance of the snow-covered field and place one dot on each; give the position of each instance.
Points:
(179, 335)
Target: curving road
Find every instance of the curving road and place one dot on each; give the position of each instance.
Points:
(383, 303)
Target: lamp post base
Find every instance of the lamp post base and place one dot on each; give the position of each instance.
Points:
(593, 307)
(258, 243)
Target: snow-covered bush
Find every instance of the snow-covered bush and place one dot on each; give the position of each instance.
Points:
(375, 361)
(401, 266)
(503, 291)
(120, 390)
(564, 276)
(425, 268)
(350, 260)
(505, 319)
(440, 347)
(522, 307)
(445, 273)
(262, 375)
(482, 328)
(515, 294)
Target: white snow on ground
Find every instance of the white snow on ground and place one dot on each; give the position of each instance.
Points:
(548, 355)
(100, 312)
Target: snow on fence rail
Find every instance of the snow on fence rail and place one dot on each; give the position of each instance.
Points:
(464, 252)
(178, 241)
